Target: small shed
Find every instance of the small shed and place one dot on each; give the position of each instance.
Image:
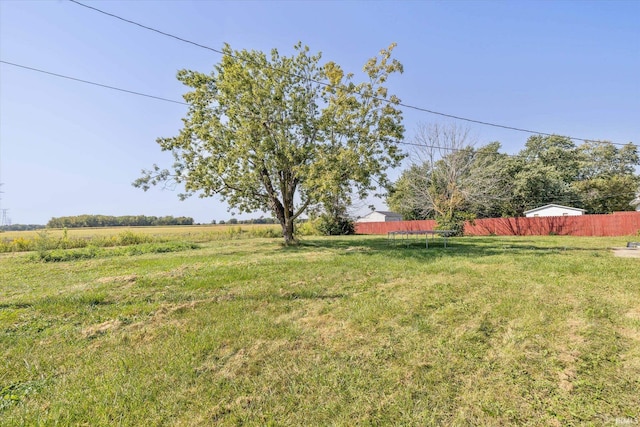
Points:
(636, 202)
(380, 216)
(554, 210)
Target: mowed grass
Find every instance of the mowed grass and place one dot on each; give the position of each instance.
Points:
(334, 331)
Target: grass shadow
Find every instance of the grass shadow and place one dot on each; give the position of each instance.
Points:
(458, 247)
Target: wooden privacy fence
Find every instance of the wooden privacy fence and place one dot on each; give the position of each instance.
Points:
(616, 224)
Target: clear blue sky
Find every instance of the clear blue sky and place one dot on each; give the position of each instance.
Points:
(66, 148)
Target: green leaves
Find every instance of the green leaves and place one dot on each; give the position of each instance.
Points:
(596, 176)
(278, 133)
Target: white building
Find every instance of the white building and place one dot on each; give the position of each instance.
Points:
(380, 216)
(553, 210)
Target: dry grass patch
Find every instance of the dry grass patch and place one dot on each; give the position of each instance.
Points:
(102, 328)
(626, 252)
(128, 278)
(569, 352)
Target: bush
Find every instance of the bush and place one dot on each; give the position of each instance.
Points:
(334, 226)
(21, 244)
(454, 223)
(307, 228)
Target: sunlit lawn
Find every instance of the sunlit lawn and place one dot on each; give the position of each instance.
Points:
(335, 331)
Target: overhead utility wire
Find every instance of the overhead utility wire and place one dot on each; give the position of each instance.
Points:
(146, 27)
(413, 144)
(92, 83)
(413, 107)
(178, 102)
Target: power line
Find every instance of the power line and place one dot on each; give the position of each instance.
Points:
(93, 83)
(409, 106)
(147, 28)
(413, 144)
(444, 148)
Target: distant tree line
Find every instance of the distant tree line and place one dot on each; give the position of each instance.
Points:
(116, 221)
(247, 221)
(21, 227)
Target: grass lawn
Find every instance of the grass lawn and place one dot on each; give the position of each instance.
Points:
(336, 331)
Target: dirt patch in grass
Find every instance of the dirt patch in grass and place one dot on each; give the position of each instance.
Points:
(626, 252)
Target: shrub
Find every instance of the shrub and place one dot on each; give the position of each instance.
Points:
(21, 244)
(455, 222)
(307, 228)
(329, 225)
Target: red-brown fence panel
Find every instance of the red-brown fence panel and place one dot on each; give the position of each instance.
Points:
(616, 224)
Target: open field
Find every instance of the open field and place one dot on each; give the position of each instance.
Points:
(201, 232)
(335, 331)
(45, 239)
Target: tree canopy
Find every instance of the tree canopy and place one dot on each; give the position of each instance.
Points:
(280, 133)
(456, 179)
(449, 179)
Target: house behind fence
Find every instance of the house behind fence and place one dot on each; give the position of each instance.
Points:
(553, 210)
(380, 216)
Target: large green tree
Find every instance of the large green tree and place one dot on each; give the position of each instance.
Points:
(279, 133)
(543, 172)
(607, 180)
(596, 175)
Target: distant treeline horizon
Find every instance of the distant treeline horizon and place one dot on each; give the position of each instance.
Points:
(79, 221)
(21, 227)
(234, 221)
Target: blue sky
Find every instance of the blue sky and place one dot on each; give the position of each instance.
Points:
(66, 148)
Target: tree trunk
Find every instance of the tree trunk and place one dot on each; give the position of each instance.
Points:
(285, 218)
(287, 231)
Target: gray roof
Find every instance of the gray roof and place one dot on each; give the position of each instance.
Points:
(388, 213)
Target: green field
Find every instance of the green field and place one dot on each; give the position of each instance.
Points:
(21, 241)
(334, 331)
(195, 232)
